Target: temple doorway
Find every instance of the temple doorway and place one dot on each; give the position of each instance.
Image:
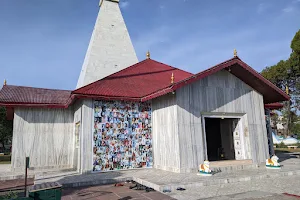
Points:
(221, 143)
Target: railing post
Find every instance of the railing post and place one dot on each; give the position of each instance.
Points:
(26, 170)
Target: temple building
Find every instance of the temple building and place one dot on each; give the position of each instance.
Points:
(126, 114)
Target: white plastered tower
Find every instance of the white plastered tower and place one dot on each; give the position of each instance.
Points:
(110, 49)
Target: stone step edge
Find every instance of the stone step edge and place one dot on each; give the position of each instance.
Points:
(42, 177)
(54, 171)
(234, 167)
(95, 182)
(36, 176)
(13, 177)
(160, 188)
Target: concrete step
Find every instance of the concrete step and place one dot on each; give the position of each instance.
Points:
(213, 181)
(233, 168)
(12, 176)
(53, 176)
(34, 174)
(53, 172)
(160, 180)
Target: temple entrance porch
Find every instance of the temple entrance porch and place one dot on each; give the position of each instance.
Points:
(225, 139)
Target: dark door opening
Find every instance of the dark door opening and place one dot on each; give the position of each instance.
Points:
(219, 138)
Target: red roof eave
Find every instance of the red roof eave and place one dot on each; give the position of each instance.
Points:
(36, 105)
(39, 105)
(260, 77)
(80, 96)
(213, 70)
(273, 106)
(157, 94)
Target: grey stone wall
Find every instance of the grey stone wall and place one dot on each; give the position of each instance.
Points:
(45, 135)
(221, 92)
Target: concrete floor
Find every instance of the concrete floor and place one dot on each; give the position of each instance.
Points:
(160, 180)
(112, 192)
(4, 168)
(237, 184)
(256, 189)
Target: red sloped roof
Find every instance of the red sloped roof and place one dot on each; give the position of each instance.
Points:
(27, 96)
(134, 82)
(141, 82)
(241, 70)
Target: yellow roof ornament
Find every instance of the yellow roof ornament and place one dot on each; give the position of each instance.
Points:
(234, 53)
(148, 55)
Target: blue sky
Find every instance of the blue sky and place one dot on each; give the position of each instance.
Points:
(43, 42)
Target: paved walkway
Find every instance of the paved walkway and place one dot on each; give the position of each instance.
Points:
(111, 192)
(271, 188)
(18, 183)
(4, 168)
(256, 183)
(160, 180)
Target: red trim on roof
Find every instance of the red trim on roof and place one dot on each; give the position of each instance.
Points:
(108, 98)
(266, 81)
(274, 106)
(143, 81)
(157, 94)
(35, 105)
(282, 96)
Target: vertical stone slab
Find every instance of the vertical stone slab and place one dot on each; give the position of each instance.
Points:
(86, 136)
(45, 135)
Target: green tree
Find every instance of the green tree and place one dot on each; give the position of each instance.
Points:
(286, 75)
(295, 44)
(6, 127)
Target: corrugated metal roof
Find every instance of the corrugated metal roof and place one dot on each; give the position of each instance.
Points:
(11, 94)
(141, 82)
(137, 81)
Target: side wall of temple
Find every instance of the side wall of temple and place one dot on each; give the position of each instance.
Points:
(165, 133)
(45, 135)
(177, 121)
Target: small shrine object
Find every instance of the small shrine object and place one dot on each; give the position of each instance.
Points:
(272, 163)
(204, 169)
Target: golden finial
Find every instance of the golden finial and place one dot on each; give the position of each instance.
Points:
(234, 53)
(172, 78)
(148, 55)
(287, 89)
(4, 82)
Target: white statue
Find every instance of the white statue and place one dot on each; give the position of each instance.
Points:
(204, 169)
(273, 163)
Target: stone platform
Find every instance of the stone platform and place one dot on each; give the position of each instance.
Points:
(161, 180)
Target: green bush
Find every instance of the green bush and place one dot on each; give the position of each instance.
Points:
(5, 158)
(9, 195)
(281, 145)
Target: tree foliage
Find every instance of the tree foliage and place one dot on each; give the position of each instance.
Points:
(295, 44)
(286, 73)
(6, 127)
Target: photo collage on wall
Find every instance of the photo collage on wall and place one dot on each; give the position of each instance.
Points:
(122, 135)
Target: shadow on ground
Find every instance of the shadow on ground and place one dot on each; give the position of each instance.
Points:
(287, 155)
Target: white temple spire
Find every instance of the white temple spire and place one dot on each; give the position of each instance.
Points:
(110, 49)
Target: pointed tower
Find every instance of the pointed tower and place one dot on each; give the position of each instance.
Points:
(110, 49)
